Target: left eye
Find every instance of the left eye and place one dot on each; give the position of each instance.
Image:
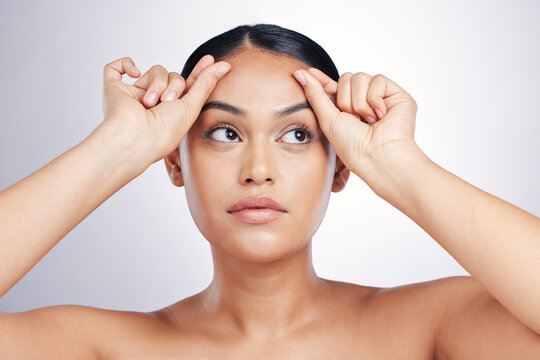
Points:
(297, 134)
(226, 134)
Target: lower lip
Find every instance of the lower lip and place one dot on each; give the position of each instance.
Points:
(257, 216)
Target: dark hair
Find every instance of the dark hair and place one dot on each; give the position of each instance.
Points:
(270, 37)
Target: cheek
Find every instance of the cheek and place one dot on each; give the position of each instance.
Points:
(308, 186)
(208, 181)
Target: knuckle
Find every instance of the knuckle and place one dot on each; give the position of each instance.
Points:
(175, 77)
(159, 83)
(347, 107)
(159, 69)
(182, 81)
(361, 75)
(372, 98)
(361, 108)
(108, 65)
(360, 81)
(128, 58)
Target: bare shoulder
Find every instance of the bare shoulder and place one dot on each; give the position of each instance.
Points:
(404, 319)
(475, 325)
(61, 331)
(79, 332)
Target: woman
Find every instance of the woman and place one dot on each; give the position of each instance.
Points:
(259, 134)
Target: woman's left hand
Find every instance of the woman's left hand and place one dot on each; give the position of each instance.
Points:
(341, 106)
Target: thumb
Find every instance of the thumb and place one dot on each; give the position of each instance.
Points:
(205, 83)
(325, 110)
(189, 106)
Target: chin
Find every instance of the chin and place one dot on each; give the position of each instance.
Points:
(260, 247)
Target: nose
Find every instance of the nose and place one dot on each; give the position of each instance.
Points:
(258, 164)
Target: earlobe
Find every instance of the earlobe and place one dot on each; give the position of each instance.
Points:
(176, 175)
(172, 165)
(341, 176)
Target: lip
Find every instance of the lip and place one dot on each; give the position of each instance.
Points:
(256, 209)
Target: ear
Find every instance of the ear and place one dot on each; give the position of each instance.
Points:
(341, 175)
(172, 164)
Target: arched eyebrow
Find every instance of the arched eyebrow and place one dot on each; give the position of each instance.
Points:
(242, 113)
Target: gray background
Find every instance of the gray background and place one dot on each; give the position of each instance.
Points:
(471, 66)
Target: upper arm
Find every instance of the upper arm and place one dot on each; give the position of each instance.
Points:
(476, 326)
(55, 332)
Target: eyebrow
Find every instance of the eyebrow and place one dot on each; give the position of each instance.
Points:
(241, 112)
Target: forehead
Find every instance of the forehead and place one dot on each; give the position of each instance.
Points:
(260, 80)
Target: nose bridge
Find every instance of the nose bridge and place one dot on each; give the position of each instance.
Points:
(258, 162)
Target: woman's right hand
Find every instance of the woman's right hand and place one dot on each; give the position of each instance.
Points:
(135, 110)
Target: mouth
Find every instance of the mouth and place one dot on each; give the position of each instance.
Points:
(256, 210)
(257, 215)
(256, 202)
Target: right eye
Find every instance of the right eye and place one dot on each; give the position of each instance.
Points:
(222, 133)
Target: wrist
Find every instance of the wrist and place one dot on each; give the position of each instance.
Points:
(118, 145)
(396, 172)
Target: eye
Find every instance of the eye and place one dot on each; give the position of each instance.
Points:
(301, 134)
(222, 133)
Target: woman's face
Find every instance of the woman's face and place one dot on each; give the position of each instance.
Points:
(258, 153)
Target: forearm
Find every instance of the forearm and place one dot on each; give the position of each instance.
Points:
(495, 241)
(39, 210)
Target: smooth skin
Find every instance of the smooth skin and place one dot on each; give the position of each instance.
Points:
(265, 300)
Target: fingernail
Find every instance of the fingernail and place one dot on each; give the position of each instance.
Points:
(300, 77)
(369, 118)
(379, 113)
(171, 95)
(152, 97)
(222, 70)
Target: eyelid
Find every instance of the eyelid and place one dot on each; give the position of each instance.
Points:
(309, 134)
(217, 126)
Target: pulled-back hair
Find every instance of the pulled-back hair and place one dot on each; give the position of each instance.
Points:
(269, 37)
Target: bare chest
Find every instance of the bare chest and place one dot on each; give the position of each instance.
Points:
(336, 341)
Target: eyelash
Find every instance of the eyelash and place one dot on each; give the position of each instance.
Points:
(229, 127)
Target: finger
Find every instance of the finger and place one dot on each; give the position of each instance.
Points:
(113, 71)
(376, 94)
(392, 95)
(175, 87)
(201, 88)
(154, 81)
(203, 63)
(325, 110)
(344, 102)
(329, 85)
(360, 83)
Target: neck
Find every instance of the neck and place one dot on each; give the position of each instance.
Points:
(263, 299)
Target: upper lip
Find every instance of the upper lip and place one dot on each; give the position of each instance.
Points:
(256, 202)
